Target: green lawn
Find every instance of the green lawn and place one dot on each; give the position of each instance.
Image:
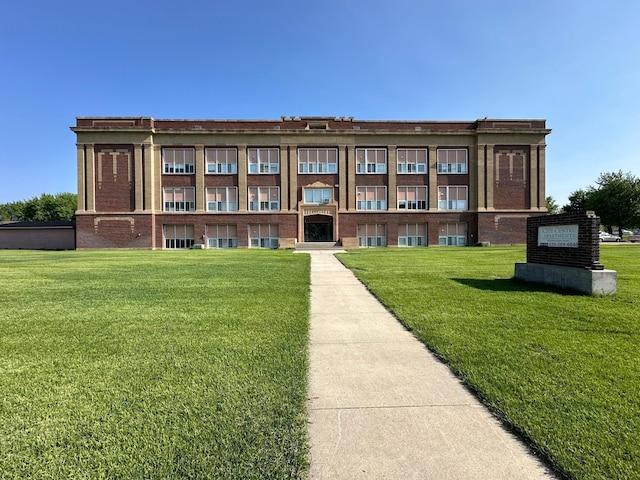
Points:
(562, 369)
(188, 364)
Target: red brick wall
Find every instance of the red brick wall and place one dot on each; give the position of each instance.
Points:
(114, 231)
(511, 179)
(114, 179)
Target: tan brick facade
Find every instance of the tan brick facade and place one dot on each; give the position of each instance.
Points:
(130, 195)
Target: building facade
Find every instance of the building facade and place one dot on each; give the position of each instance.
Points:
(169, 184)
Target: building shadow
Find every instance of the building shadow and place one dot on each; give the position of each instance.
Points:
(510, 285)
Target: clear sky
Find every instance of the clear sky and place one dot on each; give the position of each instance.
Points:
(575, 63)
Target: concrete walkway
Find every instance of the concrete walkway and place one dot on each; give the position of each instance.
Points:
(382, 406)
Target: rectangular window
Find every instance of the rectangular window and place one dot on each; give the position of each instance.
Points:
(318, 195)
(452, 160)
(178, 236)
(264, 199)
(412, 160)
(452, 198)
(179, 199)
(371, 160)
(222, 199)
(372, 235)
(263, 160)
(178, 160)
(453, 235)
(317, 160)
(371, 198)
(412, 198)
(222, 236)
(221, 160)
(264, 235)
(412, 235)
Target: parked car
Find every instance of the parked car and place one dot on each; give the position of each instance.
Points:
(635, 237)
(607, 237)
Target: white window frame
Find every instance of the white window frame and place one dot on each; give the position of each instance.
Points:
(408, 160)
(453, 235)
(222, 236)
(272, 202)
(317, 160)
(188, 204)
(416, 204)
(372, 235)
(318, 196)
(175, 160)
(263, 161)
(371, 198)
(221, 161)
(230, 194)
(268, 236)
(412, 238)
(446, 200)
(453, 161)
(371, 160)
(178, 237)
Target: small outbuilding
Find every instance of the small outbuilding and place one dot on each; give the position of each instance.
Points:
(59, 235)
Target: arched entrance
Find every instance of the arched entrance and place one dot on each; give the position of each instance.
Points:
(318, 228)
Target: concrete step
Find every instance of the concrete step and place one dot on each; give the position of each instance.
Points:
(309, 246)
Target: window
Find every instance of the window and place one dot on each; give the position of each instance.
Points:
(222, 160)
(412, 235)
(263, 236)
(371, 160)
(222, 236)
(263, 160)
(452, 198)
(179, 199)
(178, 236)
(222, 199)
(412, 198)
(317, 195)
(178, 160)
(453, 235)
(317, 160)
(371, 198)
(264, 199)
(412, 160)
(452, 160)
(372, 235)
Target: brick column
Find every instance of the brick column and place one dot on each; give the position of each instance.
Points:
(149, 177)
(200, 169)
(81, 176)
(433, 178)
(242, 178)
(156, 168)
(392, 185)
(541, 175)
(481, 179)
(284, 182)
(351, 178)
(342, 177)
(90, 178)
(533, 177)
(489, 162)
(138, 177)
(293, 177)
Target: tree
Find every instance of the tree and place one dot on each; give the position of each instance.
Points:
(616, 200)
(46, 207)
(578, 201)
(552, 206)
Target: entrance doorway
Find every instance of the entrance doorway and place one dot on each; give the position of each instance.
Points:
(318, 228)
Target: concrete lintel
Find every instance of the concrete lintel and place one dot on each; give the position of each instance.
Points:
(602, 282)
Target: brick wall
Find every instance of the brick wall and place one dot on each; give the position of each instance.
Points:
(586, 255)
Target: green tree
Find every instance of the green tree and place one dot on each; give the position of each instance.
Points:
(46, 207)
(552, 206)
(616, 200)
(578, 201)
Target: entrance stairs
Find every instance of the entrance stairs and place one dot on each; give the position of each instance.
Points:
(314, 246)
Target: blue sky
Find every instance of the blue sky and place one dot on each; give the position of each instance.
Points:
(575, 63)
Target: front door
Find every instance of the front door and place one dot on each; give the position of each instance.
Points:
(318, 228)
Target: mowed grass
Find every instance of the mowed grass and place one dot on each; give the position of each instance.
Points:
(561, 369)
(187, 364)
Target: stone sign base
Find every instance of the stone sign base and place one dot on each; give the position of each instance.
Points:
(602, 282)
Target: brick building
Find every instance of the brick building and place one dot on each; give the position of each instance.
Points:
(146, 183)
